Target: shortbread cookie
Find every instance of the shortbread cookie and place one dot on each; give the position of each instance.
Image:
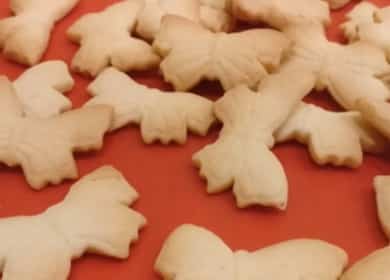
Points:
(192, 54)
(93, 218)
(281, 13)
(377, 113)
(44, 147)
(350, 135)
(366, 22)
(40, 89)
(349, 72)
(150, 17)
(24, 37)
(105, 40)
(161, 116)
(382, 189)
(241, 157)
(191, 252)
(216, 15)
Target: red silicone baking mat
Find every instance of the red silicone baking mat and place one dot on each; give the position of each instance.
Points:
(333, 204)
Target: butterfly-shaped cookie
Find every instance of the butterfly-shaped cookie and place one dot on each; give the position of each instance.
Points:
(193, 253)
(375, 266)
(44, 147)
(40, 89)
(350, 73)
(25, 36)
(351, 135)
(161, 116)
(192, 53)
(241, 157)
(93, 218)
(366, 22)
(105, 39)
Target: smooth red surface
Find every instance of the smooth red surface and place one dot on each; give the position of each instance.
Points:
(333, 204)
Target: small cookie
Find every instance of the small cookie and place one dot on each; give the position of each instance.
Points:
(43, 246)
(105, 39)
(151, 15)
(44, 147)
(241, 157)
(40, 89)
(349, 72)
(192, 53)
(191, 252)
(24, 37)
(377, 113)
(281, 13)
(366, 22)
(215, 15)
(161, 116)
(351, 135)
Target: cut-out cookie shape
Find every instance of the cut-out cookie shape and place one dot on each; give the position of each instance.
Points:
(377, 113)
(366, 22)
(40, 89)
(191, 252)
(44, 147)
(349, 72)
(241, 157)
(161, 116)
(93, 218)
(24, 37)
(281, 13)
(351, 135)
(192, 54)
(215, 15)
(105, 40)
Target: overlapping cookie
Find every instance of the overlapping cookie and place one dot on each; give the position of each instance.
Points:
(93, 218)
(44, 147)
(192, 53)
(24, 37)
(216, 15)
(191, 252)
(162, 116)
(367, 22)
(241, 157)
(105, 39)
(351, 135)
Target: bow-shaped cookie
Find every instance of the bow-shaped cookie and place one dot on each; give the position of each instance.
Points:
(25, 36)
(282, 13)
(44, 147)
(105, 39)
(366, 22)
(193, 253)
(349, 72)
(161, 116)
(241, 157)
(350, 135)
(93, 218)
(40, 89)
(192, 53)
(376, 265)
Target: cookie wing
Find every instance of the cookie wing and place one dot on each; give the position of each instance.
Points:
(161, 116)
(25, 36)
(40, 89)
(350, 136)
(105, 40)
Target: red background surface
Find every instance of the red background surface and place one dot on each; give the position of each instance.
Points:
(333, 204)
